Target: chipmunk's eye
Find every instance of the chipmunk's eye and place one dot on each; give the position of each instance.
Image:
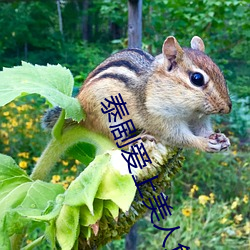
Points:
(197, 79)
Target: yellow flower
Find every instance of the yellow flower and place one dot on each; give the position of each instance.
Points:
(203, 199)
(29, 124)
(235, 203)
(238, 218)
(77, 162)
(28, 241)
(6, 141)
(65, 163)
(12, 105)
(70, 178)
(187, 211)
(24, 155)
(23, 107)
(234, 152)
(23, 164)
(35, 159)
(197, 242)
(6, 149)
(247, 228)
(211, 195)
(55, 178)
(192, 190)
(4, 134)
(225, 164)
(73, 168)
(245, 199)
(6, 113)
(65, 185)
(238, 233)
(223, 220)
(14, 123)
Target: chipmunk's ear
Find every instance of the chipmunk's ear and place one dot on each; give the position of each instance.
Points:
(197, 43)
(171, 49)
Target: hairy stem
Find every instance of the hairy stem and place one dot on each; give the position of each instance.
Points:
(57, 147)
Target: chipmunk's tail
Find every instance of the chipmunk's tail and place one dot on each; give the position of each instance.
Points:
(50, 117)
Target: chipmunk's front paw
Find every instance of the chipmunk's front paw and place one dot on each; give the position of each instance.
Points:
(218, 142)
(146, 137)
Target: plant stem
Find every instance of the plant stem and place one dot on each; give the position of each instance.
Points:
(57, 147)
(16, 240)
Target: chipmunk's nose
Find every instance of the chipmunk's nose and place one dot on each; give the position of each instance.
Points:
(227, 108)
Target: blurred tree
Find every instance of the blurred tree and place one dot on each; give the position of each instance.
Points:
(134, 23)
(30, 31)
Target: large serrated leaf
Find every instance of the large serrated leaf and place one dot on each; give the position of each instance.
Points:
(83, 189)
(67, 226)
(21, 197)
(53, 82)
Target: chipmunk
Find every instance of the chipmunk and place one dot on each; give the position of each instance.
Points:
(169, 97)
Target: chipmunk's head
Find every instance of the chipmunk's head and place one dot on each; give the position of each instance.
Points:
(198, 78)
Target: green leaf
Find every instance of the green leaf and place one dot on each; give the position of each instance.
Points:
(26, 202)
(39, 194)
(9, 168)
(14, 198)
(4, 240)
(118, 188)
(6, 186)
(67, 226)
(20, 197)
(83, 152)
(50, 234)
(50, 213)
(86, 218)
(112, 208)
(83, 189)
(101, 180)
(86, 232)
(53, 82)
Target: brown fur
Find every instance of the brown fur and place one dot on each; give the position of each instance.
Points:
(160, 97)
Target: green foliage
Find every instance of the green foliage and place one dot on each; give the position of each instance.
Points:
(25, 200)
(52, 82)
(204, 224)
(30, 32)
(223, 25)
(19, 198)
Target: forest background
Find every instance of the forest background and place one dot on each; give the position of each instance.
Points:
(210, 195)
